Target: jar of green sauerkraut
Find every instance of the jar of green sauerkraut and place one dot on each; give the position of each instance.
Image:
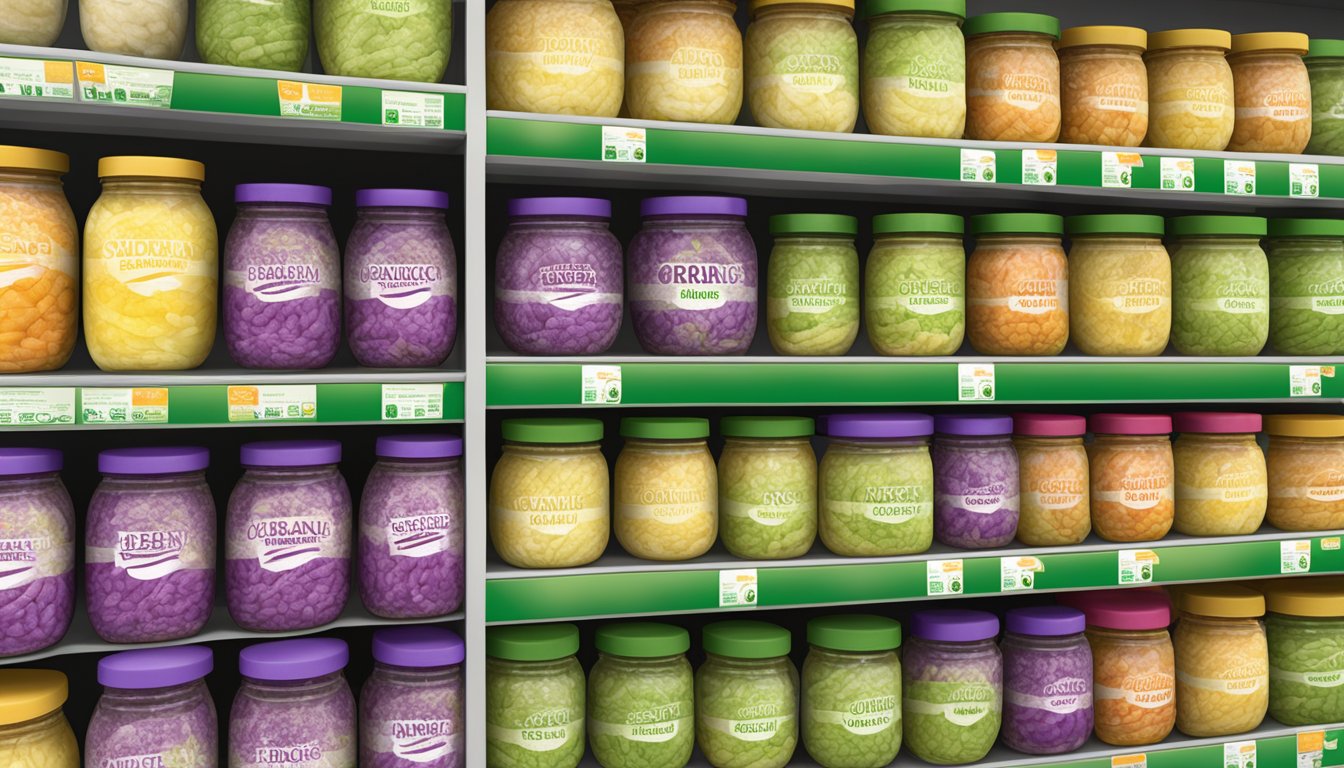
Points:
(852, 691)
(246, 33)
(914, 299)
(952, 686)
(641, 707)
(914, 68)
(534, 698)
(746, 696)
(1305, 625)
(1325, 67)
(403, 40)
(812, 284)
(1306, 286)
(1220, 285)
(767, 486)
(802, 61)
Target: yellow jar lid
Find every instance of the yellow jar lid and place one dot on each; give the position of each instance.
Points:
(30, 159)
(1190, 38)
(1219, 600)
(1130, 37)
(26, 694)
(1317, 598)
(154, 167)
(758, 5)
(1304, 425)
(1254, 42)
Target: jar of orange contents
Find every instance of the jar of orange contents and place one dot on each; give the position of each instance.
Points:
(1273, 93)
(1103, 86)
(1017, 285)
(1133, 476)
(1053, 466)
(1012, 77)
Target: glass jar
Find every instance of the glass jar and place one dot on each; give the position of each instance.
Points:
(1012, 77)
(151, 266)
(975, 481)
(683, 61)
(1190, 89)
(1119, 285)
(400, 279)
(914, 300)
(693, 277)
(1273, 92)
(154, 29)
(1325, 67)
(1306, 286)
(282, 278)
(767, 486)
(558, 277)
(1047, 678)
(641, 703)
(529, 68)
(1305, 628)
(37, 524)
(1053, 479)
(411, 516)
(534, 697)
(666, 504)
(412, 708)
(33, 22)
(876, 496)
(411, 40)
(812, 284)
(1222, 660)
(39, 261)
(1221, 285)
(294, 706)
(149, 546)
(852, 691)
(1221, 486)
(1103, 86)
(914, 69)
(287, 536)
(155, 710)
(953, 685)
(1306, 482)
(550, 503)
(242, 33)
(33, 730)
(746, 696)
(802, 61)
(1017, 285)
(1133, 476)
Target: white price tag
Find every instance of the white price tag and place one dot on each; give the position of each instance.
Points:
(738, 588)
(1178, 174)
(37, 407)
(1305, 380)
(1018, 574)
(310, 100)
(601, 385)
(1295, 556)
(125, 86)
(1310, 749)
(1136, 566)
(1040, 167)
(413, 110)
(37, 79)
(945, 577)
(1304, 180)
(1117, 169)
(273, 402)
(1239, 177)
(1239, 754)
(975, 382)
(412, 402)
(624, 145)
(979, 165)
(141, 405)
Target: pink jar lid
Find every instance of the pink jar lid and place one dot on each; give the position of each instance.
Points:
(1049, 425)
(1130, 424)
(1123, 609)
(1217, 423)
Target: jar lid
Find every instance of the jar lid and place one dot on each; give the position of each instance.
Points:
(551, 431)
(401, 198)
(1306, 228)
(419, 647)
(153, 461)
(877, 426)
(1314, 598)
(951, 625)
(1190, 38)
(587, 207)
(665, 427)
(759, 5)
(1323, 48)
(693, 205)
(1199, 226)
(301, 659)
(642, 640)
(1045, 621)
(919, 223)
(1115, 224)
(973, 426)
(1049, 425)
(151, 167)
(858, 633)
(1030, 23)
(1128, 37)
(1017, 224)
(814, 224)
(1216, 423)
(30, 461)
(26, 694)
(1305, 425)
(1130, 424)
(418, 446)
(1129, 609)
(1259, 42)
(291, 453)
(32, 159)
(156, 667)
(956, 8)
(1219, 600)
(767, 426)
(532, 642)
(746, 640)
(302, 194)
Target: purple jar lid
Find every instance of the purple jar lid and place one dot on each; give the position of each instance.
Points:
(302, 659)
(418, 446)
(291, 453)
(686, 205)
(421, 647)
(401, 198)
(973, 426)
(153, 461)
(156, 667)
(954, 625)
(30, 461)
(303, 194)
(587, 207)
(1045, 621)
(877, 425)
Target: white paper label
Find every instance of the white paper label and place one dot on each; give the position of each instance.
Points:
(413, 110)
(981, 501)
(1295, 556)
(651, 732)
(624, 145)
(282, 544)
(1062, 697)
(959, 713)
(978, 165)
(1136, 566)
(1040, 167)
(600, 385)
(1239, 177)
(945, 577)
(1239, 754)
(280, 283)
(809, 296)
(887, 504)
(1329, 678)
(1117, 169)
(1178, 174)
(37, 79)
(758, 729)
(417, 536)
(866, 717)
(695, 286)
(33, 407)
(125, 86)
(914, 300)
(149, 555)
(1140, 492)
(420, 741)
(399, 286)
(1146, 691)
(975, 382)
(412, 402)
(1306, 380)
(543, 731)
(23, 561)
(738, 588)
(273, 402)
(1232, 685)
(775, 509)
(123, 406)
(1304, 180)
(1018, 573)
(551, 515)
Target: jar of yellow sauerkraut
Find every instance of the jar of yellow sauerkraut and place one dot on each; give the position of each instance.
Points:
(667, 491)
(1306, 471)
(151, 267)
(558, 57)
(683, 61)
(32, 22)
(1222, 659)
(549, 496)
(1104, 86)
(1119, 284)
(33, 730)
(1053, 478)
(1012, 77)
(1273, 92)
(914, 68)
(1190, 90)
(155, 29)
(803, 65)
(39, 263)
(1220, 474)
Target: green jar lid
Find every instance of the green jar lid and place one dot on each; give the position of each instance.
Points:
(992, 23)
(552, 430)
(1306, 228)
(919, 223)
(665, 428)
(746, 640)
(1325, 49)
(767, 426)
(532, 642)
(814, 224)
(859, 633)
(1115, 224)
(1225, 226)
(1017, 224)
(642, 640)
(956, 8)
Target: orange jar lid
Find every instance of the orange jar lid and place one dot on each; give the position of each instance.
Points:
(151, 167)
(30, 159)
(1262, 42)
(1126, 37)
(1219, 600)
(1304, 425)
(1190, 38)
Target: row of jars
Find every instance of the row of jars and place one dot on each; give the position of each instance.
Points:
(355, 38)
(293, 707)
(690, 277)
(880, 490)
(1103, 662)
(151, 272)
(151, 532)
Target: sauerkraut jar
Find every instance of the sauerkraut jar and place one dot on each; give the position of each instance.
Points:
(914, 68)
(1222, 660)
(767, 486)
(405, 40)
(1306, 286)
(559, 57)
(1221, 285)
(746, 696)
(683, 61)
(952, 686)
(1306, 471)
(1104, 86)
(1325, 67)
(812, 284)
(1220, 474)
(1012, 77)
(32, 22)
(666, 504)
(852, 691)
(1119, 284)
(641, 700)
(1053, 469)
(802, 60)
(1190, 89)
(876, 487)
(33, 730)
(534, 697)
(1305, 628)
(914, 299)
(1132, 476)
(1017, 285)
(1273, 92)
(155, 29)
